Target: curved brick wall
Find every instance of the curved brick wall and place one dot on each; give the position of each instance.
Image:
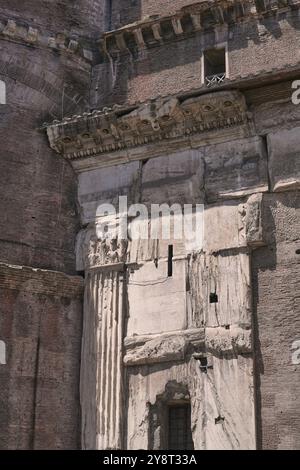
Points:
(40, 311)
(81, 16)
(39, 220)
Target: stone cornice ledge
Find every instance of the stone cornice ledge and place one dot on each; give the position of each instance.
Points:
(180, 345)
(155, 30)
(118, 135)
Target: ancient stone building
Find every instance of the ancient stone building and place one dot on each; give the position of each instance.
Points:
(149, 343)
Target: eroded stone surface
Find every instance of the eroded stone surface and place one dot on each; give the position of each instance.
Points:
(285, 175)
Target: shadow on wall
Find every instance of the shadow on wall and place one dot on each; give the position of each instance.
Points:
(266, 259)
(124, 12)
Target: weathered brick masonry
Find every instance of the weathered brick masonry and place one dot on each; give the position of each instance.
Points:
(40, 322)
(45, 66)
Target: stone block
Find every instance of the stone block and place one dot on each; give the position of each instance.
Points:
(150, 309)
(284, 159)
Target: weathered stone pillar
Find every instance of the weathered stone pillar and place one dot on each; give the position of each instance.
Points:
(101, 381)
(102, 357)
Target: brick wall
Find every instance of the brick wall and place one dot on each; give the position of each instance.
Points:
(128, 11)
(276, 271)
(83, 17)
(253, 49)
(40, 322)
(38, 220)
(41, 311)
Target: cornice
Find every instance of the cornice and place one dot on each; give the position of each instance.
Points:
(80, 139)
(179, 345)
(156, 30)
(26, 34)
(163, 121)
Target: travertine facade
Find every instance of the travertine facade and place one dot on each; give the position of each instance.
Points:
(165, 103)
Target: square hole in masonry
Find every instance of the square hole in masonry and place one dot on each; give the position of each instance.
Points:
(213, 298)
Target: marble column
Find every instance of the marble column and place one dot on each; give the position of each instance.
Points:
(102, 394)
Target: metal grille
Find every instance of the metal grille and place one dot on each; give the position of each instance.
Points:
(180, 434)
(212, 80)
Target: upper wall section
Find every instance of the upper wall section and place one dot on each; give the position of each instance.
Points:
(129, 11)
(83, 17)
(167, 55)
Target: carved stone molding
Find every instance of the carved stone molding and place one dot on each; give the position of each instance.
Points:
(94, 252)
(250, 221)
(189, 20)
(106, 251)
(165, 119)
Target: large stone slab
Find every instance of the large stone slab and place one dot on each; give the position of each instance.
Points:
(221, 401)
(284, 159)
(219, 289)
(177, 177)
(236, 168)
(156, 302)
(105, 185)
(222, 226)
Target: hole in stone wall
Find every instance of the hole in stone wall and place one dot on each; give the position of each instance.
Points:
(170, 260)
(227, 327)
(187, 284)
(219, 419)
(297, 251)
(213, 298)
(203, 363)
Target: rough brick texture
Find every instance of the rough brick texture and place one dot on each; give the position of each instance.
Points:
(40, 322)
(276, 271)
(128, 11)
(83, 17)
(176, 66)
(38, 203)
(41, 311)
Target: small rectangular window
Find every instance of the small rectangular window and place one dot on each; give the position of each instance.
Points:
(214, 66)
(180, 433)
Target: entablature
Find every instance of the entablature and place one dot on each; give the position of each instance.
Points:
(156, 125)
